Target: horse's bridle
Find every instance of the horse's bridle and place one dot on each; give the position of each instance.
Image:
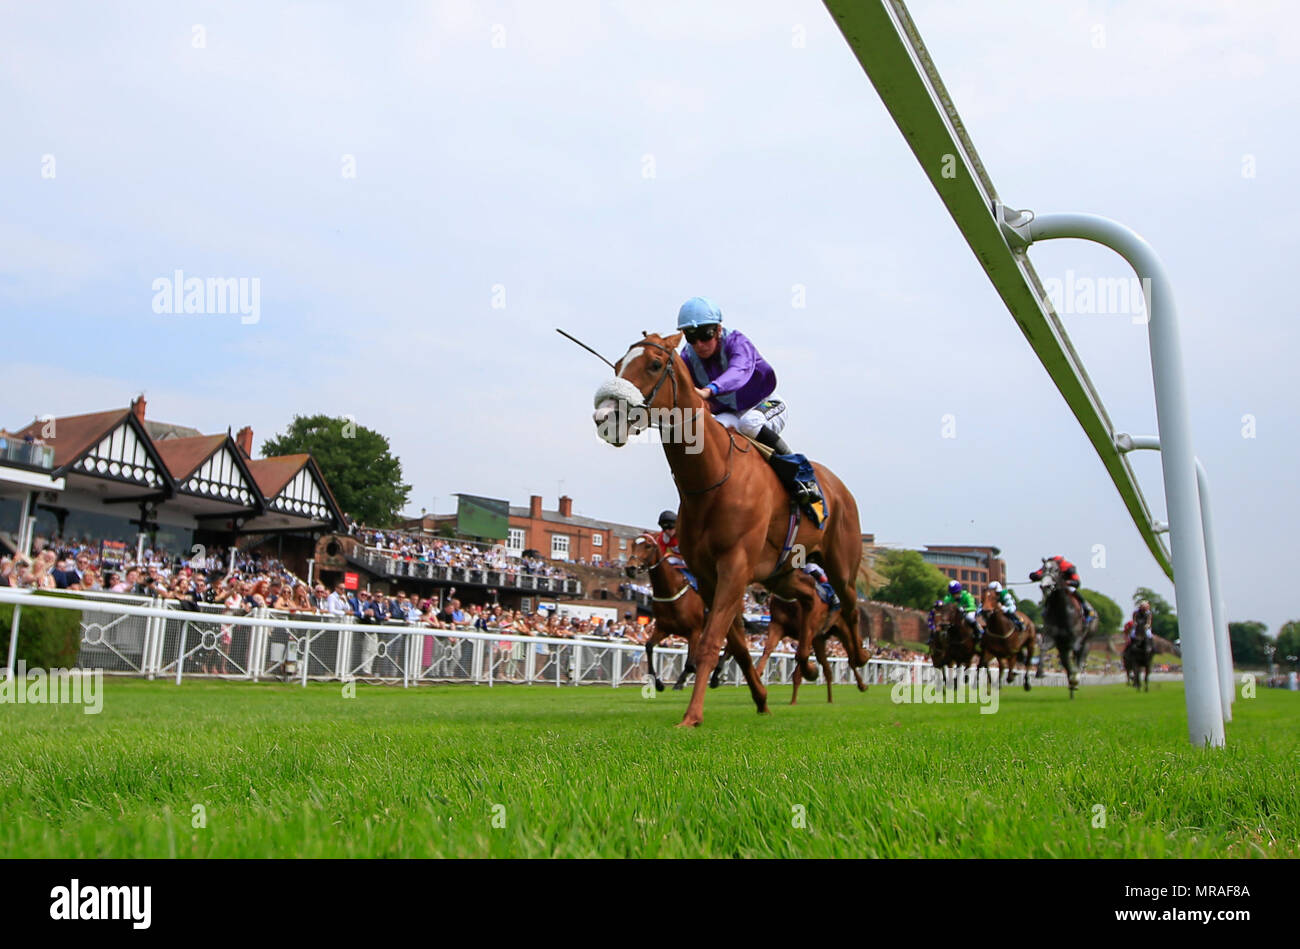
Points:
(648, 398)
(664, 599)
(648, 567)
(668, 371)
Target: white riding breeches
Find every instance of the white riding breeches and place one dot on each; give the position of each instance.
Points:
(771, 411)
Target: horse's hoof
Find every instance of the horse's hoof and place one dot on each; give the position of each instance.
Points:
(714, 683)
(659, 686)
(862, 687)
(679, 686)
(764, 711)
(688, 723)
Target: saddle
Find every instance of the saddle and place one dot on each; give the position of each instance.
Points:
(791, 469)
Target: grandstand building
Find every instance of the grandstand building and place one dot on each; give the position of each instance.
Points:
(119, 475)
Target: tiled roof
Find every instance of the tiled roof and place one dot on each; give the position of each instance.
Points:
(272, 474)
(183, 455)
(73, 434)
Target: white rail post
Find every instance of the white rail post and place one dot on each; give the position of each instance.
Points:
(151, 633)
(1177, 459)
(13, 641)
(180, 653)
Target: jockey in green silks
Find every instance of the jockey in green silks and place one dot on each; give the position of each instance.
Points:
(1007, 600)
(967, 602)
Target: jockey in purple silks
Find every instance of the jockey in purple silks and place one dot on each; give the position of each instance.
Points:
(740, 389)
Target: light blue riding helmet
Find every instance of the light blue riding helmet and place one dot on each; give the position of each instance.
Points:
(698, 311)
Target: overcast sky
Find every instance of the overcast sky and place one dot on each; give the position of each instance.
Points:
(425, 190)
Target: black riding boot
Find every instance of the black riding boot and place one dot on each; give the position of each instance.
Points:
(807, 493)
(772, 440)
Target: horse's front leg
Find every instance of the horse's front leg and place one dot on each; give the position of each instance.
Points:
(650, 644)
(738, 648)
(775, 630)
(724, 607)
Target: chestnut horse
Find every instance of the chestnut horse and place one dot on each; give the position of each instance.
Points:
(735, 515)
(678, 609)
(1004, 642)
(787, 621)
(951, 641)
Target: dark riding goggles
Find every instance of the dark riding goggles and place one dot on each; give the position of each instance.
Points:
(700, 334)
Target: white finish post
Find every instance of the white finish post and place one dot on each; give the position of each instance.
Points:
(1222, 644)
(311, 567)
(1177, 459)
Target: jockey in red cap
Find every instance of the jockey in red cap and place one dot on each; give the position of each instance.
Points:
(1070, 576)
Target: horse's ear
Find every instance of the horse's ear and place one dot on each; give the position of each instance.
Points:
(672, 342)
(644, 333)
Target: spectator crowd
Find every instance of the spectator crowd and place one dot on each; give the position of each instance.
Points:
(422, 548)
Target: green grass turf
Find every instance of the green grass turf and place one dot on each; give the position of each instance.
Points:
(283, 771)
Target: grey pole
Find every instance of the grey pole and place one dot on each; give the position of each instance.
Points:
(1177, 459)
(1222, 644)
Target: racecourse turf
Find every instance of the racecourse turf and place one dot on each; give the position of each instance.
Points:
(517, 771)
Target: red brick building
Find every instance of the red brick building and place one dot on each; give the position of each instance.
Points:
(563, 535)
(559, 534)
(974, 567)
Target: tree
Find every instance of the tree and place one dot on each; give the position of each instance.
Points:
(909, 580)
(365, 478)
(1248, 641)
(1164, 621)
(1110, 616)
(1288, 640)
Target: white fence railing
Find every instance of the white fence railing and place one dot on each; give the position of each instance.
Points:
(155, 639)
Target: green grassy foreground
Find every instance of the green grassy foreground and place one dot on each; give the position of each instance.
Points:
(281, 772)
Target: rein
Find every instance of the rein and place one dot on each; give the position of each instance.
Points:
(731, 447)
(649, 397)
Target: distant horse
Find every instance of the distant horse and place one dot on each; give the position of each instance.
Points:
(738, 524)
(678, 609)
(1004, 642)
(1063, 622)
(1138, 653)
(787, 620)
(951, 641)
